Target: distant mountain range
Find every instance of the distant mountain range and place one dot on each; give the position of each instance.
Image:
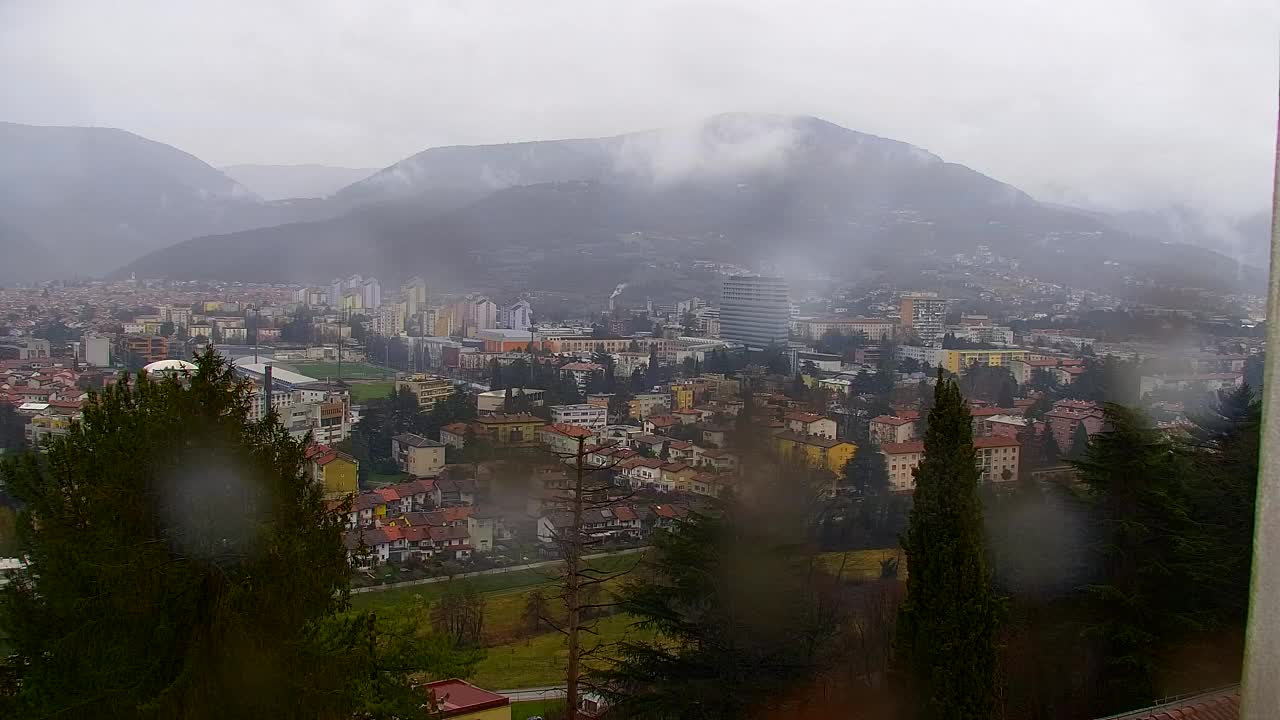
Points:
(583, 213)
(82, 201)
(284, 182)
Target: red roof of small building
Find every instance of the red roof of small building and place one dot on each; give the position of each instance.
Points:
(458, 697)
(912, 446)
(625, 513)
(890, 420)
(573, 431)
(804, 417)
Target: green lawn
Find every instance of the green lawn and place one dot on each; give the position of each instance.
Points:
(862, 564)
(365, 391)
(540, 660)
(375, 479)
(350, 370)
(534, 708)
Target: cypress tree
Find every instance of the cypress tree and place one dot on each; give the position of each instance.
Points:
(946, 645)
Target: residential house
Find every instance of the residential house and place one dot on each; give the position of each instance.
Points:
(591, 417)
(716, 436)
(449, 492)
(335, 471)
(807, 423)
(428, 389)
(566, 440)
(581, 372)
(997, 458)
(717, 460)
(660, 424)
(680, 451)
(1067, 414)
(815, 450)
(642, 472)
(417, 455)
(676, 476)
(885, 429)
(901, 459)
(642, 405)
(509, 431)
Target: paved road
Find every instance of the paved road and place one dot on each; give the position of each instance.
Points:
(494, 571)
(533, 693)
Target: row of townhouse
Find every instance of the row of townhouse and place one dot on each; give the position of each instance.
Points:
(445, 533)
(621, 521)
(374, 506)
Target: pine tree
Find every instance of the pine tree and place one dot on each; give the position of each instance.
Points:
(1152, 553)
(184, 565)
(946, 641)
(1079, 442)
(866, 473)
(742, 615)
(1224, 453)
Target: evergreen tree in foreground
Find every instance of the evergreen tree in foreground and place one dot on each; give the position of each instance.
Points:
(743, 614)
(1225, 441)
(1152, 560)
(183, 566)
(946, 646)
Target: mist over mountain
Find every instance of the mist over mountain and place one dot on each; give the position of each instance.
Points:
(1247, 238)
(284, 182)
(89, 199)
(739, 188)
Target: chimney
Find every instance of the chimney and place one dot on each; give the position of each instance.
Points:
(266, 390)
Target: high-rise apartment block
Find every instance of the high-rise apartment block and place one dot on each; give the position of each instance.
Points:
(925, 314)
(755, 311)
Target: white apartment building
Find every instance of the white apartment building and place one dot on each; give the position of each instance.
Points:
(591, 417)
(755, 311)
(924, 314)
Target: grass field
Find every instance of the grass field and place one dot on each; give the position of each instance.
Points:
(378, 479)
(350, 370)
(540, 660)
(365, 391)
(534, 708)
(862, 564)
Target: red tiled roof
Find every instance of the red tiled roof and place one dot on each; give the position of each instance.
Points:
(573, 431)
(913, 446)
(457, 697)
(455, 428)
(890, 420)
(804, 417)
(624, 513)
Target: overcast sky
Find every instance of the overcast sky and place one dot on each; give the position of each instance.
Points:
(1117, 102)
